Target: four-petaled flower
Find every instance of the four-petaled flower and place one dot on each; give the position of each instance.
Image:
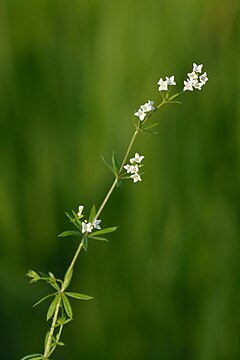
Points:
(197, 68)
(87, 227)
(192, 75)
(96, 224)
(141, 114)
(163, 85)
(148, 106)
(136, 177)
(197, 84)
(188, 85)
(203, 78)
(137, 158)
(170, 80)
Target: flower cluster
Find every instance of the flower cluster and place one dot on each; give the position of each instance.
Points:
(195, 80)
(134, 167)
(141, 113)
(88, 226)
(163, 84)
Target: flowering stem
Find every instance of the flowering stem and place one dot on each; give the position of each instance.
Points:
(137, 131)
(48, 348)
(114, 184)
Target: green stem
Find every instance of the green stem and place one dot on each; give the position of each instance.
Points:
(105, 200)
(48, 351)
(55, 317)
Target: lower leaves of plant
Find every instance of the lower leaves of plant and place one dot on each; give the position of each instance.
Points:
(60, 310)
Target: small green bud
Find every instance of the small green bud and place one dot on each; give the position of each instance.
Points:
(33, 276)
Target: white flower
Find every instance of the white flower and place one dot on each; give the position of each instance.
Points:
(197, 84)
(80, 210)
(141, 114)
(134, 169)
(203, 78)
(136, 177)
(170, 80)
(197, 68)
(192, 75)
(128, 168)
(131, 168)
(188, 85)
(136, 159)
(147, 106)
(163, 85)
(96, 224)
(86, 227)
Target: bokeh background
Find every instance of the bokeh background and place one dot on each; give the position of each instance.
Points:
(72, 73)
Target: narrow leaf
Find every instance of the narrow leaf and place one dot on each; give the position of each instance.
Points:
(105, 231)
(46, 339)
(85, 243)
(54, 284)
(31, 356)
(92, 214)
(150, 132)
(79, 296)
(115, 164)
(70, 233)
(37, 358)
(175, 102)
(98, 238)
(52, 307)
(69, 216)
(119, 183)
(151, 126)
(67, 278)
(109, 166)
(44, 298)
(67, 306)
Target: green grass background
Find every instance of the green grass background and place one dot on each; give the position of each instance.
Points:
(72, 73)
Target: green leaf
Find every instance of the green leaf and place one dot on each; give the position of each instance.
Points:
(105, 231)
(85, 243)
(150, 132)
(52, 307)
(79, 296)
(70, 233)
(67, 306)
(31, 356)
(98, 238)
(69, 216)
(37, 358)
(151, 126)
(46, 339)
(74, 219)
(175, 102)
(67, 278)
(92, 214)
(44, 298)
(63, 321)
(115, 164)
(109, 166)
(60, 343)
(119, 183)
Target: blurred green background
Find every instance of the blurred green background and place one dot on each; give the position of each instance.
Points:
(72, 73)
